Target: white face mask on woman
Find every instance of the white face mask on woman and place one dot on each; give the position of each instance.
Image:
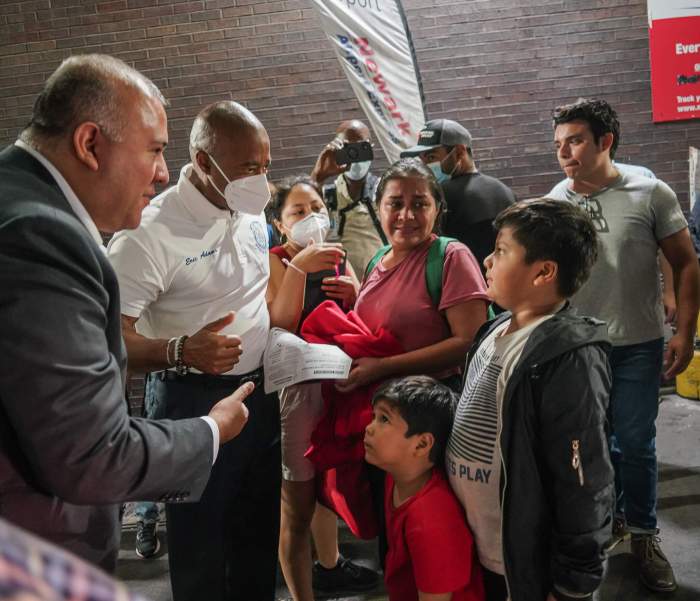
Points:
(247, 195)
(314, 226)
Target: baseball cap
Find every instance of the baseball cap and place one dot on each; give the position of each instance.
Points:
(439, 132)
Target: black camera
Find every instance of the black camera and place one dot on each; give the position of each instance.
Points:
(354, 152)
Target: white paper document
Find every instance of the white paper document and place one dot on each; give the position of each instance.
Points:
(289, 360)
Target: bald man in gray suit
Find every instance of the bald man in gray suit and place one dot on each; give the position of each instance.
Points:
(88, 162)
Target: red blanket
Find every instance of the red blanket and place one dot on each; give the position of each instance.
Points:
(336, 444)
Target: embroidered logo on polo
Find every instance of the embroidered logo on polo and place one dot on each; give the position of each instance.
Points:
(259, 235)
(473, 437)
(205, 254)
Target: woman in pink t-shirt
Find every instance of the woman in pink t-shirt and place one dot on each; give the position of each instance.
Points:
(394, 294)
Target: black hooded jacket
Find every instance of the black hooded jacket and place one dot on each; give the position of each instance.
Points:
(556, 516)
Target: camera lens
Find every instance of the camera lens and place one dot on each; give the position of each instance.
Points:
(353, 153)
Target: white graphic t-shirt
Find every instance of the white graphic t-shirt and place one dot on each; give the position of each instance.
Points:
(473, 454)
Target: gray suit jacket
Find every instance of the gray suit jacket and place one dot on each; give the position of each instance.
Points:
(69, 452)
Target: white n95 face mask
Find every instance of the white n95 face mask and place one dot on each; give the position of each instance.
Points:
(358, 171)
(314, 226)
(248, 195)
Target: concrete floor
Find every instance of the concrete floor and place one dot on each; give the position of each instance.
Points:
(678, 443)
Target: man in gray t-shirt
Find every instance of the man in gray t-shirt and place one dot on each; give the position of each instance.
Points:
(631, 216)
(634, 217)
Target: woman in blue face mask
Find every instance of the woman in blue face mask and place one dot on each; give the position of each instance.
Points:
(304, 271)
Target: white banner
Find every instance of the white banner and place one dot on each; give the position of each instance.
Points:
(671, 9)
(372, 43)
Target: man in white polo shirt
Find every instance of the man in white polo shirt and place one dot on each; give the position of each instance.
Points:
(193, 278)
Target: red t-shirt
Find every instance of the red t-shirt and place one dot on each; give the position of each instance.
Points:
(430, 546)
(397, 299)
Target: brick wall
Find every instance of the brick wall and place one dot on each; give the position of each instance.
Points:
(497, 66)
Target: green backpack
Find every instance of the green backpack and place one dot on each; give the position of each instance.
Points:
(433, 268)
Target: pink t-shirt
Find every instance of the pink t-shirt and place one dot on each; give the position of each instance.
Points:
(397, 299)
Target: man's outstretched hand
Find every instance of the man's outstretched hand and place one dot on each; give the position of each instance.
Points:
(230, 414)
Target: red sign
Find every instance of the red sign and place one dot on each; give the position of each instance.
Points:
(674, 46)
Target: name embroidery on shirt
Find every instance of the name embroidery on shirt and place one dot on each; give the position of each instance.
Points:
(203, 255)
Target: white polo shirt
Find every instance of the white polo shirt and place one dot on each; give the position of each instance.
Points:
(189, 263)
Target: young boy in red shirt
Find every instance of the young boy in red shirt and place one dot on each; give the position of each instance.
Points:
(431, 553)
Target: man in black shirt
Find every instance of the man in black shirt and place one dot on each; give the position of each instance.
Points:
(473, 199)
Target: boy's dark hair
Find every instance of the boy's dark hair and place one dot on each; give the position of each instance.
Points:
(426, 405)
(557, 231)
(600, 116)
(283, 189)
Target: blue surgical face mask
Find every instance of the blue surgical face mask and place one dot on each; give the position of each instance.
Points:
(439, 174)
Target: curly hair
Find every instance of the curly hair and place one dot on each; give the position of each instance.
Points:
(600, 116)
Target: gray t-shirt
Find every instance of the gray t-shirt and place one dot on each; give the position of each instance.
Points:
(631, 216)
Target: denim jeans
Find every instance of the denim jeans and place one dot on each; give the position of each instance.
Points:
(634, 406)
(148, 511)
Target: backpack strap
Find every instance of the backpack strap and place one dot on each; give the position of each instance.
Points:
(434, 266)
(375, 220)
(330, 197)
(375, 259)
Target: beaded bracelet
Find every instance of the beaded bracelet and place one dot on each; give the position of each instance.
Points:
(180, 368)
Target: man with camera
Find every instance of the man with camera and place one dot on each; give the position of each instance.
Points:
(350, 198)
(473, 199)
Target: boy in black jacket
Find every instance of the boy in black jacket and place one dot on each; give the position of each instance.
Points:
(528, 456)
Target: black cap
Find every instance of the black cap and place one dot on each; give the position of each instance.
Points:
(439, 132)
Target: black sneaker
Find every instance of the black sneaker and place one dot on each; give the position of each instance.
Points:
(147, 543)
(345, 577)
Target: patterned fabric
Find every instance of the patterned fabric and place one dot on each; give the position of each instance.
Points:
(31, 570)
(479, 408)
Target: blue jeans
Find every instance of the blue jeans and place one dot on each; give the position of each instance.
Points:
(147, 511)
(634, 406)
